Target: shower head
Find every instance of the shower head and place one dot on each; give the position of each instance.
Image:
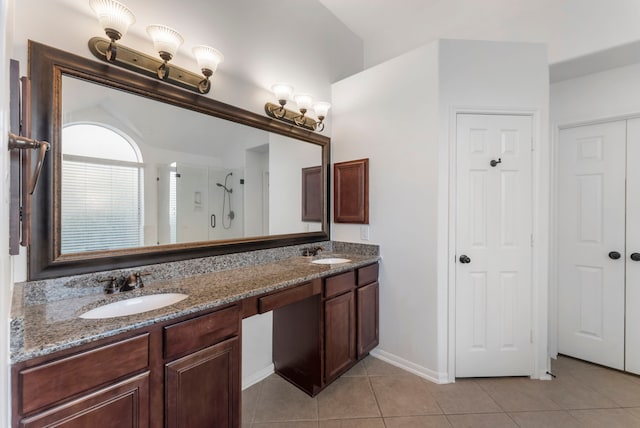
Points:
(224, 187)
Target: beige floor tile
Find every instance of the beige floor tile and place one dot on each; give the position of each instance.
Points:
(357, 370)
(464, 396)
(518, 394)
(294, 424)
(566, 364)
(570, 394)
(553, 419)
(352, 423)
(635, 411)
(609, 418)
(619, 387)
(484, 420)
(436, 421)
(404, 396)
(281, 401)
(348, 397)
(376, 367)
(249, 402)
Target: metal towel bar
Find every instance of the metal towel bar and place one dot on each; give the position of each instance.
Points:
(22, 143)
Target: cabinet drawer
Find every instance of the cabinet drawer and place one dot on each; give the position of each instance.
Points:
(57, 380)
(286, 297)
(338, 284)
(368, 274)
(200, 332)
(124, 404)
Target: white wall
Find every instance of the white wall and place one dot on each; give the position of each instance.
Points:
(611, 94)
(400, 115)
(389, 114)
(257, 165)
(6, 280)
(263, 42)
(287, 157)
(505, 77)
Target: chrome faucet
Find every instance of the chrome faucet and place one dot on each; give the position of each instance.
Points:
(307, 252)
(117, 285)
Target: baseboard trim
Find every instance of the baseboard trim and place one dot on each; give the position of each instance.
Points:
(252, 379)
(423, 372)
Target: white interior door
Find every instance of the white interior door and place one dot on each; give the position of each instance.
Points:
(493, 230)
(632, 361)
(591, 230)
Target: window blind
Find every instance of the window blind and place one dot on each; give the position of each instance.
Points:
(101, 205)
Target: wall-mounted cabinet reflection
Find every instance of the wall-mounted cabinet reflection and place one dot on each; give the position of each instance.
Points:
(138, 173)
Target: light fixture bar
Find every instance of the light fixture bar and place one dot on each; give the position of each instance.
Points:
(292, 117)
(142, 63)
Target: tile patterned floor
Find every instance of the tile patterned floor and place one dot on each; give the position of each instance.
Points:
(375, 394)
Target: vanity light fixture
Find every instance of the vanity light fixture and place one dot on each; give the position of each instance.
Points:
(208, 59)
(166, 41)
(116, 19)
(283, 93)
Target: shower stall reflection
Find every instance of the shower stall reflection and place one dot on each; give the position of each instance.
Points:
(227, 213)
(199, 203)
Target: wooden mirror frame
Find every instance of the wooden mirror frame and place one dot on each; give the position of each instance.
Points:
(47, 65)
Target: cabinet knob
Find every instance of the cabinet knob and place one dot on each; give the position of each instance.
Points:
(465, 259)
(614, 255)
(635, 257)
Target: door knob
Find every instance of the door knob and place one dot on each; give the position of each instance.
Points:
(614, 255)
(494, 162)
(465, 259)
(635, 257)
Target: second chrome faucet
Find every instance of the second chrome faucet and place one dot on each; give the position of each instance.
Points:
(117, 285)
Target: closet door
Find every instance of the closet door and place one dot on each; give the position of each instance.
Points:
(632, 360)
(591, 243)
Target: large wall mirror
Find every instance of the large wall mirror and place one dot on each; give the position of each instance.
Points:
(141, 172)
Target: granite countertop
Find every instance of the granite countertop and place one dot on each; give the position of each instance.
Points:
(42, 329)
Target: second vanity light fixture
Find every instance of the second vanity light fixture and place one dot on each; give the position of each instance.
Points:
(115, 19)
(283, 93)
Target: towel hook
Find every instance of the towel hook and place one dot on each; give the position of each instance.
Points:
(17, 142)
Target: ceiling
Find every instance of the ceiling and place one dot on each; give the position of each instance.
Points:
(572, 29)
(314, 43)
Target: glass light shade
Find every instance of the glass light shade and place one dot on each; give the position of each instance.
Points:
(165, 39)
(282, 91)
(304, 101)
(208, 58)
(321, 108)
(113, 15)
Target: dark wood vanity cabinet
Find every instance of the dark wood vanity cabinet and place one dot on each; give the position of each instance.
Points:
(87, 388)
(317, 339)
(202, 371)
(189, 368)
(339, 324)
(186, 372)
(367, 309)
(202, 389)
(123, 404)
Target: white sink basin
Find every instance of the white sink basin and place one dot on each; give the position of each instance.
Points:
(330, 261)
(135, 305)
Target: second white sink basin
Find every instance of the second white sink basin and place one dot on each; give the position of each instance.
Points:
(330, 261)
(134, 305)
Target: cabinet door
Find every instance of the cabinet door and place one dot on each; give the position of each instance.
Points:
(123, 405)
(202, 389)
(367, 298)
(339, 330)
